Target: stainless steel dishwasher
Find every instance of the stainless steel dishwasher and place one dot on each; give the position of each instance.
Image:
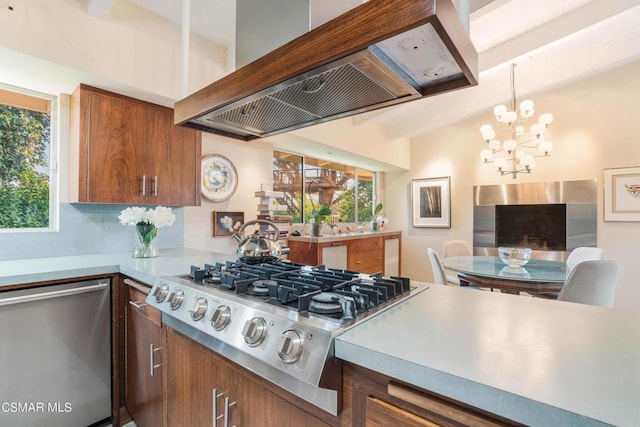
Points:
(55, 355)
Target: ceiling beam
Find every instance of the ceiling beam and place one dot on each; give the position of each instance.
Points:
(99, 8)
(553, 32)
(586, 22)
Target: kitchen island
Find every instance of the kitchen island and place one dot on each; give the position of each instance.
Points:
(534, 361)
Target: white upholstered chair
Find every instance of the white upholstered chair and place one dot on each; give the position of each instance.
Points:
(584, 253)
(455, 248)
(591, 282)
(439, 277)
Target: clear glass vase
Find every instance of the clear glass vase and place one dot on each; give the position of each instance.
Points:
(316, 230)
(146, 241)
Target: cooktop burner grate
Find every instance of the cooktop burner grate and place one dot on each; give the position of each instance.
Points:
(341, 294)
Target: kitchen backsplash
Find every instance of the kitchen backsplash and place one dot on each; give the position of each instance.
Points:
(86, 229)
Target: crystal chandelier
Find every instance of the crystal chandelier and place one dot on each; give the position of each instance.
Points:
(514, 158)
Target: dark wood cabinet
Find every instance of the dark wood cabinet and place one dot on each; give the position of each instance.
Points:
(202, 385)
(371, 399)
(191, 380)
(144, 359)
(125, 150)
(366, 254)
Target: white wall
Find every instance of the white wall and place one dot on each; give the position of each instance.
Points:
(253, 162)
(595, 127)
(132, 47)
(366, 139)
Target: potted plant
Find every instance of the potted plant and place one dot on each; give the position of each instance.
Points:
(377, 221)
(317, 217)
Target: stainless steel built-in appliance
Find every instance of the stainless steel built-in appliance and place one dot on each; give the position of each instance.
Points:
(278, 320)
(55, 362)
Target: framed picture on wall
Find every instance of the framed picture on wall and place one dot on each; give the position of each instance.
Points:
(226, 223)
(622, 194)
(431, 202)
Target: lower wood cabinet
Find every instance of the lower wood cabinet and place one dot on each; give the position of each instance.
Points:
(144, 359)
(204, 389)
(371, 399)
(379, 413)
(366, 254)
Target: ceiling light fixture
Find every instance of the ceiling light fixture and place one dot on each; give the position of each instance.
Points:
(515, 159)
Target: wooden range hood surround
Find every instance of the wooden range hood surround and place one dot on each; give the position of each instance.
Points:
(343, 67)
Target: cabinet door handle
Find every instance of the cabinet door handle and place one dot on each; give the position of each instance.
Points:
(152, 366)
(138, 304)
(144, 185)
(215, 397)
(154, 183)
(227, 405)
(429, 403)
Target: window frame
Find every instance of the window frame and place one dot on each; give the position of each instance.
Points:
(53, 155)
(374, 190)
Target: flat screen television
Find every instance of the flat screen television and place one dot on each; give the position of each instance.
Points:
(542, 227)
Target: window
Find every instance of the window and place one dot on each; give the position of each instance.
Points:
(287, 177)
(308, 183)
(26, 138)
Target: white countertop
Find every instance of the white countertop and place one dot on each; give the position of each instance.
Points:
(536, 361)
(326, 237)
(171, 262)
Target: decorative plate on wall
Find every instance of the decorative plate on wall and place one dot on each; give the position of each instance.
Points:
(219, 178)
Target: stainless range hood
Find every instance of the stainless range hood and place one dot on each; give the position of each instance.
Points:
(381, 53)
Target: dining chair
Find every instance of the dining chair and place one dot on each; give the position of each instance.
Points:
(591, 282)
(439, 278)
(455, 248)
(584, 253)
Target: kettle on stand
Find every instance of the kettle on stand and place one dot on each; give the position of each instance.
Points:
(258, 247)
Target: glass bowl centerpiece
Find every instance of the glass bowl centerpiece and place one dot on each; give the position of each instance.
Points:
(514, 257)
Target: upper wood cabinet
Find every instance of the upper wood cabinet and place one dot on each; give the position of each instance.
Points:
(124, 150)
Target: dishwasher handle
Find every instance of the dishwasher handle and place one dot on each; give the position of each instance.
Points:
(53, 294)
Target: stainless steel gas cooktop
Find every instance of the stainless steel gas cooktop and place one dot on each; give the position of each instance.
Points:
(278, 320)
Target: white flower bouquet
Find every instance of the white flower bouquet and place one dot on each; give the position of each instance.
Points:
(147, 223)
(378, 221)
(158, 217)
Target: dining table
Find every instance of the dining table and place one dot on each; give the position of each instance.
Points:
(538, 277)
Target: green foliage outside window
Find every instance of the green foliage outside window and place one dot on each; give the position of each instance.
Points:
(308, 183)
(24, 188)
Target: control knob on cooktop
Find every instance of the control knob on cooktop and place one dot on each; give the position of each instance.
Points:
(199, 309)
(221, 317)
(292, 346)
(255, 331)
(175, 299)
(161, 292)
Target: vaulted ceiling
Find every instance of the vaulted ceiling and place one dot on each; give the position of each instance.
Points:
(554, 42)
